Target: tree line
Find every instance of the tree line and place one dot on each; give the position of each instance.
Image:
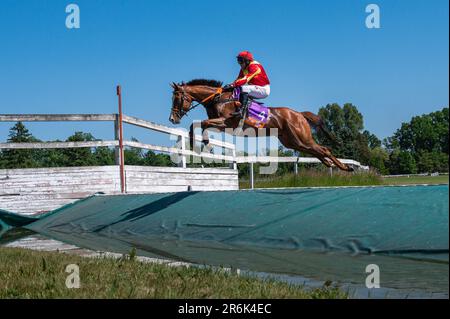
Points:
(70, 157)
(418, 146)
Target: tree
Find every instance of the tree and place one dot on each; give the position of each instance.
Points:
(2, 160)
(52, 158)
(79, 156)
(372, 139)
(133, 155)
(347, 124)
(104, 156)
(153, 159)
(429, 162)
(16, 158)
(379, 158)
(425, 138)
(402, 162)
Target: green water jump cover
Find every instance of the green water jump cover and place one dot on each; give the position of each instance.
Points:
(407, 221)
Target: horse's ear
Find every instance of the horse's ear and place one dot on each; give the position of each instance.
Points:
(173, 85)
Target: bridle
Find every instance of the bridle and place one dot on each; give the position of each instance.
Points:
(185, 96)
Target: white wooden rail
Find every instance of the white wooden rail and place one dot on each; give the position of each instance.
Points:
(31, 191)
(182, 134)
(292, 159)
(119, 143)
(182, 138)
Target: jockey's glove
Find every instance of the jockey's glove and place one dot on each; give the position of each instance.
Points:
(228, 87)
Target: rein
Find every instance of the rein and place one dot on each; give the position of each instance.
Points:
(209, 97)
(182, 112)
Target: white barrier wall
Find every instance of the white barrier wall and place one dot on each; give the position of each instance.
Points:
(38, 190)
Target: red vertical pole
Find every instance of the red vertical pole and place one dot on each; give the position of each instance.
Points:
(122, 164)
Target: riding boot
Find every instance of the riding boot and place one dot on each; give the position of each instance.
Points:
(243, 99)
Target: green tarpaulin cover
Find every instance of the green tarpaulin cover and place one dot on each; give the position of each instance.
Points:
(308, 231)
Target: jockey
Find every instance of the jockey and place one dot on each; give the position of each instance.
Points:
(252, 79)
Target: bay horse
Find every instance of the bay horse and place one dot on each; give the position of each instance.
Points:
(294, 130)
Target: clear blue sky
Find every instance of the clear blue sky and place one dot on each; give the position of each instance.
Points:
(315, 52)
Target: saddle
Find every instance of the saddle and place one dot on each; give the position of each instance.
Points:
(257, 114)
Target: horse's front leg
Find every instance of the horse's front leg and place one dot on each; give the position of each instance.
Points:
(218, 123)
(191, 136)
(205, 139)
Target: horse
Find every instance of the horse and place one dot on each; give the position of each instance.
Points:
(294, 130)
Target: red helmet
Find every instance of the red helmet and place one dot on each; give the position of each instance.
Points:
(246, 55)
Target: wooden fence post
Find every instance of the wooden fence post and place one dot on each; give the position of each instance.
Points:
(233, 165)
(183, 162)
(117, 138)
(252, 178)
(121, 153)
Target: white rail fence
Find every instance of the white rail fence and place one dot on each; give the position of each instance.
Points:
(292, 159)
(181, 134)
(182, 137)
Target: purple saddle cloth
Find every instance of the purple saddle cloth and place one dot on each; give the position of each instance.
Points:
(258, 113)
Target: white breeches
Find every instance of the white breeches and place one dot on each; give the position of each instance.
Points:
(255, 91)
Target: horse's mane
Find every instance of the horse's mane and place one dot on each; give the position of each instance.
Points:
(212, 83)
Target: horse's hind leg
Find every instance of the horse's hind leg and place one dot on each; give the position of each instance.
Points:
(325, 151)
(291, 140)
(301, 139)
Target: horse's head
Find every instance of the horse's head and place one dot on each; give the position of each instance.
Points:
(198, 90)
(181, 103)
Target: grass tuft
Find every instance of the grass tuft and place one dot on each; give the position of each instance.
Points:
(33, 274)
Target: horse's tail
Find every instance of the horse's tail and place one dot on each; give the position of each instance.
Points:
(317, 122)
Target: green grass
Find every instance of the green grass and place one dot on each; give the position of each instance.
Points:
(314, 178)
(31, 274)
(441, 179)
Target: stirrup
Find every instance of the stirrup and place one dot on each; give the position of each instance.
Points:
(237, 112)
